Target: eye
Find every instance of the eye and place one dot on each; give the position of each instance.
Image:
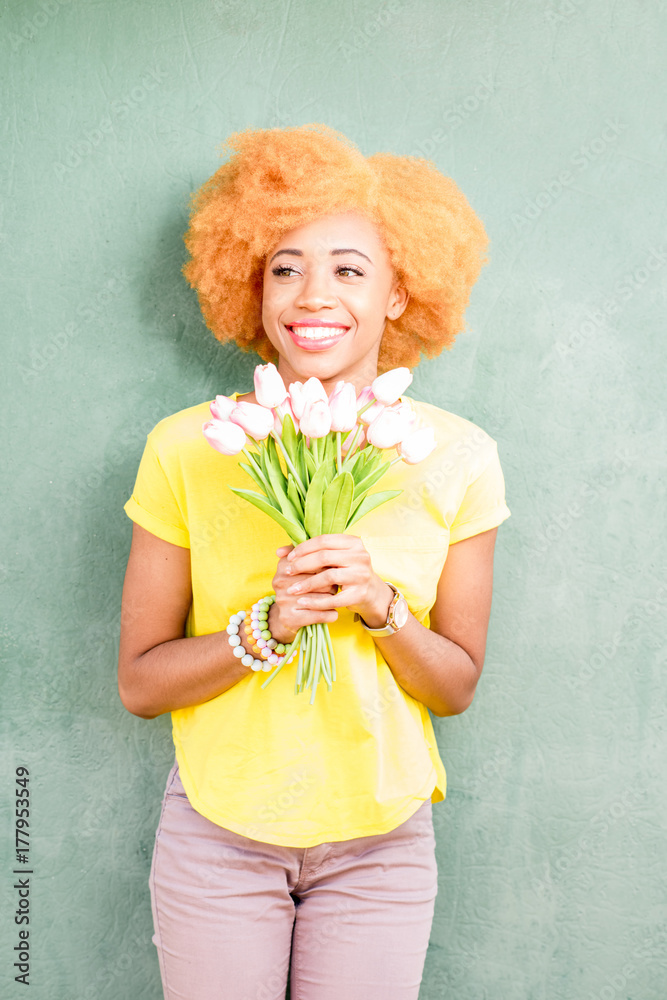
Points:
(280, 269)
(286, 269)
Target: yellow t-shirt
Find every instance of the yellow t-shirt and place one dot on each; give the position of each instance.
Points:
(363, 757)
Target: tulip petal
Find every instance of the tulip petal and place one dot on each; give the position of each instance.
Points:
(270, 390)
(387, 388)
(225, 437)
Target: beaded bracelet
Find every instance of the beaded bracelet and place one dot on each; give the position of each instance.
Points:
(234, 639)
(268, 652)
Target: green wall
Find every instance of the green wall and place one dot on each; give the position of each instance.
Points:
(549, 115)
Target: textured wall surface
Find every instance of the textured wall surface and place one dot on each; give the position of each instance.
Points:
(550, 116)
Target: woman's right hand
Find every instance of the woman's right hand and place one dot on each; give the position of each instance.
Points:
(285, 618)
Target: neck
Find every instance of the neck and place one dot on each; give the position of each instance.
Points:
(360, 376)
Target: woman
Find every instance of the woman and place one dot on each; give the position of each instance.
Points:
(298, 838)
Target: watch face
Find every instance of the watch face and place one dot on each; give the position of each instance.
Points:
(401, 612)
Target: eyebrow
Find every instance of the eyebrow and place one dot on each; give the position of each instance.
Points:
(334, 253)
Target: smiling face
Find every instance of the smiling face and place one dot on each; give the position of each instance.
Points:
(329, 288)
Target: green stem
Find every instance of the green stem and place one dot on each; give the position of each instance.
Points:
(315, 670)
(312, 660)
(326, 673)
(338, 453)
(371, 402)
(302, 660)
(290, 649)
(332, 658)
(350, 452)
(290, 465)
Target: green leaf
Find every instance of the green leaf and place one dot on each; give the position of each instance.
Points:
(289, 437)
(369, 503)
(273, 455)
(294, 530)
(268, 446)
(254, 460)
(336, 504)
(278, 482)
(363, 485)
(294, 495)
(259, 459)
(252, 472)
(261, 479)
(363, 466)
(329, 448)
(311, 464)
(313, 508)
(301, 462)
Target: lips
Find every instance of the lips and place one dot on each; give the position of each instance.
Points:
(316, 335)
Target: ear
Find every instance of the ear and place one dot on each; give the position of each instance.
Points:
(398, 301)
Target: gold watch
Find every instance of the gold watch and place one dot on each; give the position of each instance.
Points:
(397, 615)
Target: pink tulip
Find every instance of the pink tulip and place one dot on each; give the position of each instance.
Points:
(221, 407)
(255, 420)
(313, 389)
(296, 399)
(316, 419)
(417, 445)
(287, 411)
(343, 406)
(369, 415)
(388, 387)
(363, 399)
(365, 396)
(389, 427)
(301, 394)
(270, 389)
(224, 436)
(410, 415)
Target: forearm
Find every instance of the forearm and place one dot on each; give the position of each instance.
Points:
(430, 667)
(180, 673)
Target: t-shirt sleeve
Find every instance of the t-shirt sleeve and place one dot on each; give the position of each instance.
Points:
(483, 506)
(153, 504)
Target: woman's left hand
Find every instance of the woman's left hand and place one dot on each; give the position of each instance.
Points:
(341, 560)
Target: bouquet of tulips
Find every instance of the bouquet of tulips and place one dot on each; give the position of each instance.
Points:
(317, 458)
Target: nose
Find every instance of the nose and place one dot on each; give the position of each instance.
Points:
(315, 291)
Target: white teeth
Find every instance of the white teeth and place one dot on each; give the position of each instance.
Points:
(318, 332)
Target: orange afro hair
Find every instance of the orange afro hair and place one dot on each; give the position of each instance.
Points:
(279, 179)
